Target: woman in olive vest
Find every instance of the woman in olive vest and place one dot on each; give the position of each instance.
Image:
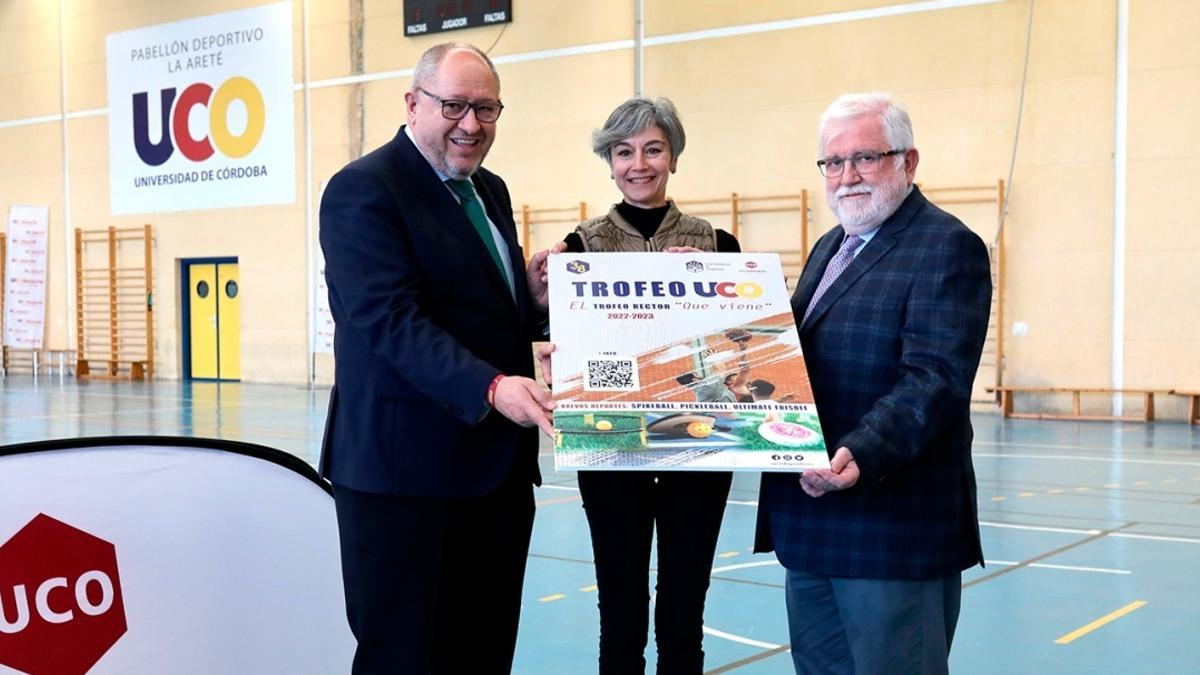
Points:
(642, 141)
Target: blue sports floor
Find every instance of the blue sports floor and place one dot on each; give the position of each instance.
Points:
(1091, 531)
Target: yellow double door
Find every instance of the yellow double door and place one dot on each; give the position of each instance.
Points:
(214, 319)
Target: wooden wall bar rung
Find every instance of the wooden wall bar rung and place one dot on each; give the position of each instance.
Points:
(114, 320)
(957, 188)
(756, 198)
(981, 200)
(554, 221)
(766, 209)
(689, 202)
(527, 218)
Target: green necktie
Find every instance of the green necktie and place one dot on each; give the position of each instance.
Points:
(466, 196)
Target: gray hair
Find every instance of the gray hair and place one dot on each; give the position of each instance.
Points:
(633, 117)
(897, 125)
(427, 66)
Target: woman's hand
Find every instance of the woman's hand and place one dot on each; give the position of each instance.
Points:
(536, 275)
(682, 249)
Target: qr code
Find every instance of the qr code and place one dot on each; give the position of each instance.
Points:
(611, 375)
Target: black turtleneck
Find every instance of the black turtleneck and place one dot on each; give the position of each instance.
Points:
(645, 221)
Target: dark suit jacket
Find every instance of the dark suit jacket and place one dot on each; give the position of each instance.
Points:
(424, 320)
(892, 349)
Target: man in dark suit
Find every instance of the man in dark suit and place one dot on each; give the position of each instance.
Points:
(430, 441)
(892, 310)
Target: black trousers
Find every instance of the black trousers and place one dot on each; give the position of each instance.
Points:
(623, 510)
(422, 573)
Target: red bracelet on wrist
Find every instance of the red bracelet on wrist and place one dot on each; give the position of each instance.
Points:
(491, 390)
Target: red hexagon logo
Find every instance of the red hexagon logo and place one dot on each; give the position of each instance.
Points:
(61, 607)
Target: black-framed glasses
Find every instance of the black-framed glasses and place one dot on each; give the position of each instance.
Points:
(863, 162)
(456, 109)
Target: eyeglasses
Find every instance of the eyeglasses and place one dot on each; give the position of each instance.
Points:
(863, 162)
(455, 109)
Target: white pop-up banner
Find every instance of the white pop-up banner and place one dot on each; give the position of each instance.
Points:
(201, 113)
(167, 555)
(25, 272)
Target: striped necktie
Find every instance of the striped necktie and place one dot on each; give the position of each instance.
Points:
(841, 260)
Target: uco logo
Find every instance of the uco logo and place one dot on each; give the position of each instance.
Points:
(694, 266)
(176, 124)
(61, 606)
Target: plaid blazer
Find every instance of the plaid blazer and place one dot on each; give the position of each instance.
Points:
(892, 349)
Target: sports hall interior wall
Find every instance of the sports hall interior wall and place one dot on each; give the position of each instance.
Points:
(750, 100)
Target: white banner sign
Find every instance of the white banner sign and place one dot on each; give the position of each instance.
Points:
(322, 317)
(201, 113)
(149, 555)
(25, 277)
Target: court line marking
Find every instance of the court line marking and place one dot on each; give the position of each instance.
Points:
(1087, 448)
(1156, 537)
(1047, 554)
(1106, 619)
(1068, 568)
(551, 598)
(558, 487)
(748, 660)
(171, 395)
(739, 639)
(1084, 458)
(982, 523)
(558, 500)
(1036, 528)
(742, 566)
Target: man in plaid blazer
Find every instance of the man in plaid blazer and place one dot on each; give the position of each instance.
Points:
(892, 310)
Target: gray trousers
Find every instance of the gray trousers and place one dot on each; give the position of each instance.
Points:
(842, 626)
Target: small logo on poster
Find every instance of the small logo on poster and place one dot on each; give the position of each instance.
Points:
(578, 266)
(695, 266)
(750, 264)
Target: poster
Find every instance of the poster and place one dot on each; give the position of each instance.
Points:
(678, 361)
(25, 272)
(201, 113)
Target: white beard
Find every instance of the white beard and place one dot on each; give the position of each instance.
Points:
(885, 198)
